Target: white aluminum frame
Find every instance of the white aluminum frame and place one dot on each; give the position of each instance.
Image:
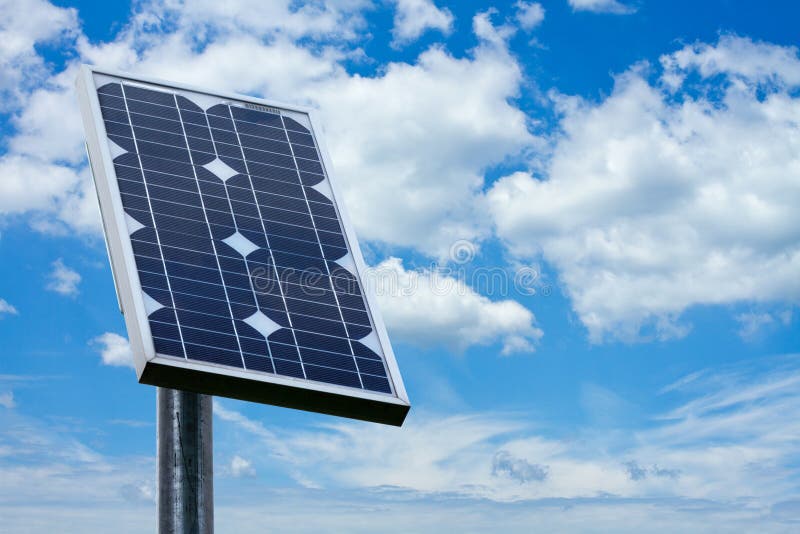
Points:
(149, 365)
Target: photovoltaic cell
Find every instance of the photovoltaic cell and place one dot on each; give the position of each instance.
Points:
(237, 240)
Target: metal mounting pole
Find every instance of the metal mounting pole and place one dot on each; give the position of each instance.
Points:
(185, 464)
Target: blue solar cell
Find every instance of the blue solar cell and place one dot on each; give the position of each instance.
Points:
(124, 142)
(149, 121)
(333, 376)
(232, 227)
(110, 89)
(169, 347)
(258, 363)
(308, 165)
(376, 383)
(339, 361)
(372, 367)
(133, 92)
(363, 352)
(154, 110)
(301, 151)
(116, 128)
(213, 355)
(300, 138)
(288, 368)
(292, 124)
(111, 114)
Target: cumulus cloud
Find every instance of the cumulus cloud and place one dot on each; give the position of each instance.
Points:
(653, 203)
(22, 27)
(63, 280)
(6, 308)
(529, 14)
(44, 173)
(413, 17)
(410, 164)
(429, 308)
(323, 20)
(602, 6)
(114, 349)
(739, 58)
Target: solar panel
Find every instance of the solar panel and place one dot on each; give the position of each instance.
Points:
(235, 265)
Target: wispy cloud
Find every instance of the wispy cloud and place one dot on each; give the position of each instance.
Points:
(132, 423)
(506, 464)
(7, 400)
(638, 472)
(63, 280)
(6, 308)
(49, 477)
(729, 439)
(240, 467)
(602, 6)
(754, 324)
(732, 436)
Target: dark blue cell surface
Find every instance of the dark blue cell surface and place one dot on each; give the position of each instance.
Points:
(235, 245)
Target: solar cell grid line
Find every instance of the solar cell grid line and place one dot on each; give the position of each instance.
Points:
(254, 362)
(192, 338)
(327, 268)
(277, 273)
(225, 231)
(213, 245)
(293, 312)
(147, 192)
(346, 290)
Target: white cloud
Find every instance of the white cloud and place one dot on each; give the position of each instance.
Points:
(23, 25)
(752, 324)
(529, 14)
(44, 176)
(114, 349)
(240, 467)
(602, 6)
(721, 458)
(5, 307)
(413, 17)
(325, 19)
(7, 400)
(652, 204)
(740, 58)
(33, 185)
(63, 280)
(428, 308)
(139, 492)
(731, 435)
(408, 161)
(411, 163)
(506, 464)
(48, 478)
(38, 136)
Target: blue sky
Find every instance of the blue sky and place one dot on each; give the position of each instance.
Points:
(627, 175)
